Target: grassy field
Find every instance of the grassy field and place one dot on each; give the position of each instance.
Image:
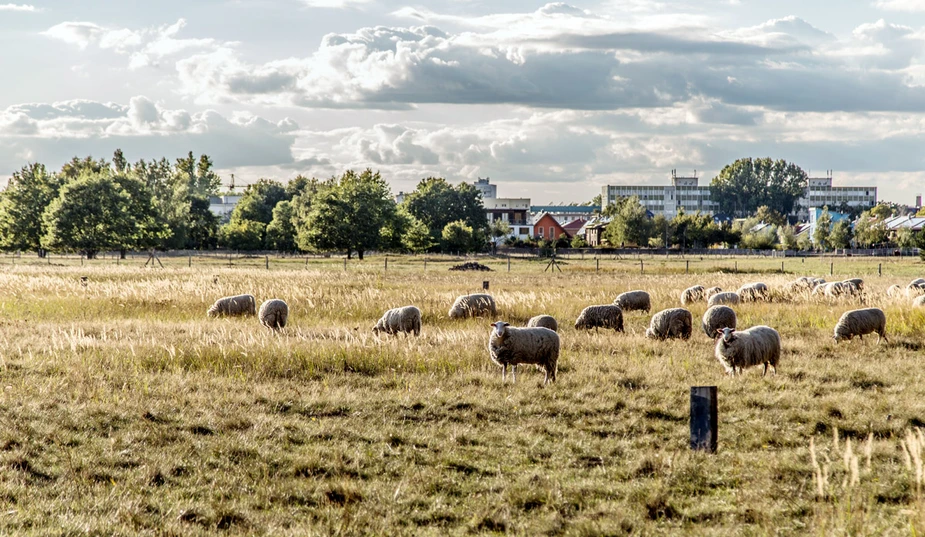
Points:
(124, 410)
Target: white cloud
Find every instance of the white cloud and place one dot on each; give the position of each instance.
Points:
(901, 5)
(18, 7)
(75, 33)
(335, 4)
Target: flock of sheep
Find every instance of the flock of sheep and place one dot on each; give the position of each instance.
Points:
(538, 344)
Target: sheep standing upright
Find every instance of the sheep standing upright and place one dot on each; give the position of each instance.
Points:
(692, 294)
(752, 292)
(475, 305)
(716, 318)
(739, 349)
(859, 322)
(233, 305)
(634, 301)
(405, 319)
(894, 291)
(723, 298)
(670, 323)
(857, 282)
(546, 321)
(601, 316)
(708, 294)
(274, 313)
(535, 345)
(915, 287)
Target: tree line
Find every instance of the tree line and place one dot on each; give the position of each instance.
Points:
(93, 205)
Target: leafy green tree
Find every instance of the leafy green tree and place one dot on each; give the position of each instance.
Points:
(281, 230)
(630, 224)
(97, 212)
(192, 183)
(437, 203)
(76, 167)
(348, 215)
(906, 238)
(840, 236)
(770, 216)
(870, 230)
(804, 242)
(259, 200)
(498, 230)
(245, 235)
(747, 184)
(458, 237)
(787, 238)
(663, 231)
(882, 211)
(28, 193)
(416, 237)
(578, 242)
(822, 230)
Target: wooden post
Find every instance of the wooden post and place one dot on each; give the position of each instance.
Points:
(831, 268)
(597, 264)
(641, 269)
(508, 262)
(345, 263)
(266, 260)
(386, 263)
(189, 261)
(781, 267)
(425, 264)
(704, 418)
(736, 267)
(687, 267)
(879, 269)
(485, 285)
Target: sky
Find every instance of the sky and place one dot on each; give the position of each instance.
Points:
(550, 100)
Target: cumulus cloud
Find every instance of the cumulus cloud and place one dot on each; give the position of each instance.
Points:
(18, 7)
(55, 132)
(901, 5)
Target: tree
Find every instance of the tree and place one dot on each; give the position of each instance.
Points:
(882, 211)
(497, 231)
(192, 183)
(906, 238)
(823, 228)
(259, 200)
(787, 238)
(747, 184)
(630, 224)
(437, 203)
(28, 193)
(870, 230)
(840, 236)
(457, 237)
(76, 167)
(245, 235)
(770, 216)
(416, 237)
(578, 242)
(349, 215)
(281, 230)
(97, 211)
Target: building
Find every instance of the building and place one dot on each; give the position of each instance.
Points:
(821, 193)
(514, 211)
(487, 189)
(222, 205)
(566, 213)
(683, 193)
(546, 227)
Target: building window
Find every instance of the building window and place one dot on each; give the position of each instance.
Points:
(524, 231)
(552, 233)
(540, 230)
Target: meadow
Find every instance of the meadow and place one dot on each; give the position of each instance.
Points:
(124, 410)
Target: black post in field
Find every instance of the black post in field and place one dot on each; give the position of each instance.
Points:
(704, 418)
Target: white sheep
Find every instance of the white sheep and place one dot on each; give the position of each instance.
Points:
(405, 319)
(751, 292)
(535, 345)
(692, 294)
(894, 291)
(233, 305)
(918, 301)
(274, 313)
(712, 291)
(915, 287)
(723, 298)
(474, 305)
(716, 318)
(739, 349)
(670, 323)
(600, 316)
(859, 322)
(857, 282)
(545, 321)
(633, 301)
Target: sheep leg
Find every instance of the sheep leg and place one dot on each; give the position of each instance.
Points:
(514, 374)
(503, 373)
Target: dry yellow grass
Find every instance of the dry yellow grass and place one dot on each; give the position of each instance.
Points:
(125, 410)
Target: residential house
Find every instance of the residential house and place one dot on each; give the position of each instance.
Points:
(546, 227)
(593, 230)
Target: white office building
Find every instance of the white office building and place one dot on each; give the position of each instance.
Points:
(683, 193)
(821, 193)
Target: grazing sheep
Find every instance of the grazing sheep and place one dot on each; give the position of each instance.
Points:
(857, 282)
(739, 349)
(545, 321)
(634, 300)
(692, 294)
(894, 291)
(751, 292)
(838, 289)
(859, 322)
(723, 298)
(915, 287)
(803, 284)
(670, 323)
(473, 306)
(716, 318)
(712, 291)
(406, 319)
(234, 305)
(602, 316)
(918, 301)
(535, 345)
(273, 314)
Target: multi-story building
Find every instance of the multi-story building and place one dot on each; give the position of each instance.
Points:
(222, 205)
(514, 211)
(487, 189)
(683, 193)
(821, 193)
(566, 213)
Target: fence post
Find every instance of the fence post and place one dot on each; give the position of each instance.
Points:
(189, 261)
(641, 269)
(425, 264)
(831, 268)
(386, 263)
(597, 264)
(736, 267)
(781, 267)
(687, 267)
(345, 263)
(704, 419)
(508, 262)
(266, 260)
(879, 269)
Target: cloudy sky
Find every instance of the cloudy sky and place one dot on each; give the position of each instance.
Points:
(550, 100)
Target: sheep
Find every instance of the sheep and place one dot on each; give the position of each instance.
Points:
(233, 305)
(692, 294)
(546, 321)
(859, 322)
(739, 349)
(915, 287)
(803, 284)
(837, 289)
(534, 345)
(274, 313)
(670, 323)
(473, 306)
(894, 291)
(717, 317)
(712, 291)
(603, 316)
(406, 319)
(634, 300)
(723, 298)
(858, 282)
(751, 292)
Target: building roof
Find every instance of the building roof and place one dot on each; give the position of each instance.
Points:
(577, 209)
(574, 226)
(916, 223)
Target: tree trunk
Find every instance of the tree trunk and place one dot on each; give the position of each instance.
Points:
(349, 254)
(360, 254)
(41, 252)
(122, 253)
(91, 254)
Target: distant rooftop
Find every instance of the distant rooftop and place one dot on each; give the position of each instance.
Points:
(554, 209)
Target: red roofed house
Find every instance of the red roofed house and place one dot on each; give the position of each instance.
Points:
(546, 227)
(572, 228)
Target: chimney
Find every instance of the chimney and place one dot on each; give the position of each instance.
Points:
(918, 201)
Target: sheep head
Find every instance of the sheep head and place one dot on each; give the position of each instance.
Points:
(728, 334)
(500, 328)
